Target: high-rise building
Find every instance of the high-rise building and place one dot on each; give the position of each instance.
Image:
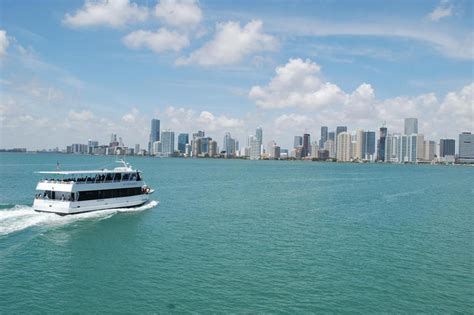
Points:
(430, 150)
(137, 148)
(381, 144)
(411, 126)
(91, 145)
(183, 139)
(332, 136)
(392, 148)
(420, 147)
(154, 134)
(259, 136)
(273, 150)
(199, 134)
(315, 149)
(229, 145)
(339, 129)
(330, 146)
(156, 148)
(447, 147)
(188, 151)
(466, 147)
(254, 148)
(368, 147)
(298, 141)
(212, 148)
(167, 142)
(359, 144)
(344, 143)
(324, 136)
(306, 145)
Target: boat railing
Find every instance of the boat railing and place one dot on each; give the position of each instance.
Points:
(90, 180)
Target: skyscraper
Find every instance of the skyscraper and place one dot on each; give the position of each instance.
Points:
(167, 142)
(411, 126)
(229, 145)
(359, 147)
(339, 129)
(254, 148)
(259, 136)
(344, 142)
(368, 148)
(381, 144)
(430, 150)
(154, 134)
(306, 145)
(183, 139)
(324, 136)
(332, 136)
(466, 147)
(298, 141)
(447, 147)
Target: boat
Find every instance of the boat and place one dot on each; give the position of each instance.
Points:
(72, 192)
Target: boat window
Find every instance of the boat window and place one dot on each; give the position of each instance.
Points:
(125, 176)
(133, 176)
(109, 177)
(109, 193)
(138, 176)
(118, 177)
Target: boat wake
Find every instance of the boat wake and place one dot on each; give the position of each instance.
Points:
(21, 217)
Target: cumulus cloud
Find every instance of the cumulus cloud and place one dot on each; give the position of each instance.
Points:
(179, 13)
(159, 41)
(111, 13)
(300, 84)
(444, 9)
(182, 118)
(295, 122)
(131, 117)
(231, 44)
(4, 42)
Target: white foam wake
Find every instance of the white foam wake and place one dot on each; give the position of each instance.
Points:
(22, 217)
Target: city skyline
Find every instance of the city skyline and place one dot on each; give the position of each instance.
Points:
(290, 70)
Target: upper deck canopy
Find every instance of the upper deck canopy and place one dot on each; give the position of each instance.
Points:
(88, 172)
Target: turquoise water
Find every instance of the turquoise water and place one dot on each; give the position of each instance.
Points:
(244, 236)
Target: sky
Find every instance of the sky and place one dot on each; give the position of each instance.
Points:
(77, 70)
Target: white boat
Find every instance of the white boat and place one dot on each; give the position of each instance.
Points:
(71, 192)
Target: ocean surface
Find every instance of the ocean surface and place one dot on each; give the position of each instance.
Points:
(233, 236)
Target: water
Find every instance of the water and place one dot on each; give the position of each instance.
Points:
(244, 236)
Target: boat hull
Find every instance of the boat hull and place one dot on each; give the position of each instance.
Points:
(76, 207)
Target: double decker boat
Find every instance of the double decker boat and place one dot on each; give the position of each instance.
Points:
(71, 192)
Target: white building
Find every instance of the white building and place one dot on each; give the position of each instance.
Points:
(344, 144)
(167, 142)
(255, 148)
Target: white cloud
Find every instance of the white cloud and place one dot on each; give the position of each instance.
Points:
(111, 13)
(179, 13)
(189, 120)
(454, 44)
(293, 122)
(444, 9)
(299, 83)
(4, 42)
(231, 44)
(83, 115)
(131, 117)
(159, 41)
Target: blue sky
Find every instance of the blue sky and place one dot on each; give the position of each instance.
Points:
(82, 70)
